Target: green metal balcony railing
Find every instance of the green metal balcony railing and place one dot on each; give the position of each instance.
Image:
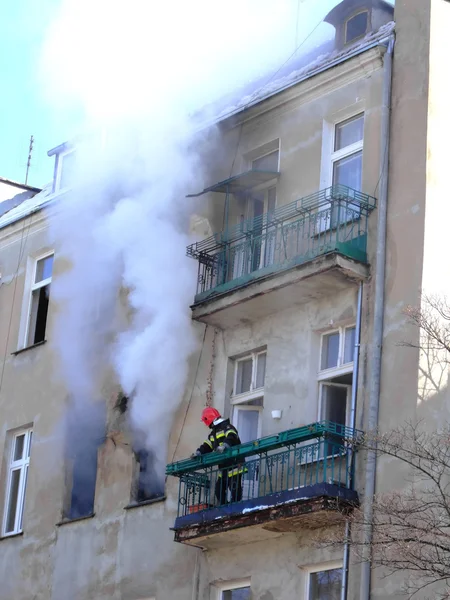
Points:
(292, 460)
(331, 220)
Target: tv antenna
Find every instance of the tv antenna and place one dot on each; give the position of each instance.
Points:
(30, 152)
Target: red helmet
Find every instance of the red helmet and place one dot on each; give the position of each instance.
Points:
(209, 415)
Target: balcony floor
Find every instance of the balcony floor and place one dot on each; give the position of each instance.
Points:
(257, 519)
(323, 276)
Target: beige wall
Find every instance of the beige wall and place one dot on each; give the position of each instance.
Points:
(129, 554)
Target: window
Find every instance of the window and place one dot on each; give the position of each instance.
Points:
(324, 585)
(335, 376)
(147, 485)
(250, 373)
(267, 162)
(247, 403)
(17, 481)
(82, 475)
(39, 300)
(346, 157)
(238, 591)
(85, 434)
(337, 348)
(65, 170)
(356, 26)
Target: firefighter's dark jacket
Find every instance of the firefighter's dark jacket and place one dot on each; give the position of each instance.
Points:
(222, 432)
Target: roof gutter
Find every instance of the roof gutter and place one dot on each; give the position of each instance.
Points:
(377, 343)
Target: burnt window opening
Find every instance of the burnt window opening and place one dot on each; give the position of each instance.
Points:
(85, 434)
(40, 296)
(147, 486)
(356, 27)
(83, 474)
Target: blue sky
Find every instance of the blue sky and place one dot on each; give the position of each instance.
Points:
(23, 109)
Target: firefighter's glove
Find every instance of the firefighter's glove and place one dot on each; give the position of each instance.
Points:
(222, 448)
(196, 453)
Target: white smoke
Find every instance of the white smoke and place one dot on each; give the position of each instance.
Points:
(136, 72)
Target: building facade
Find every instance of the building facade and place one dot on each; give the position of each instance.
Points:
(322, 220)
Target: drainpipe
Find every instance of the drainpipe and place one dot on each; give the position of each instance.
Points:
(344, 588)
(374, 397)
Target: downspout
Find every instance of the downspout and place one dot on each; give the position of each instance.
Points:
(345, 566)
(380, 268)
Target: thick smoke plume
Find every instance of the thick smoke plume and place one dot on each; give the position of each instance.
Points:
(134, 74)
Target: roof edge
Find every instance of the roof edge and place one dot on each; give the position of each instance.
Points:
(22, 186)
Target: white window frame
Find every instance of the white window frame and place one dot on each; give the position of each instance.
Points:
(254, 392)
(30, 287)
(14, 465)
(346, 151)
(341, 368)
(59, 167)
(230, 586)
(310, 570)
(330, 155)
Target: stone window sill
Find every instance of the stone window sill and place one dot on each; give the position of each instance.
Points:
(28, 348)
(74, 520)
(12, 535)
(145, 502)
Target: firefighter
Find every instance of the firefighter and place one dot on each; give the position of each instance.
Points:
(223, 435)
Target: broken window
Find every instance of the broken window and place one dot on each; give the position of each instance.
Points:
(86, 433)
(147, 484)
(16, 484)
(39, 300)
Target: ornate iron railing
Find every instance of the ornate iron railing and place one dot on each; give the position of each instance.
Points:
(331, 220)
(298, 458)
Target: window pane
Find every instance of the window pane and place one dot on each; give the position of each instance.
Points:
(244, 376)
(269, 162)
(260, 370)
(44, 268)
(348, 171)
(21, 508)
(18, 447)
(12, 501)
(238, 594)
(38, 315)
(325, 585)
(349, 132)
(247, 425)
(330, 351)
(349, 346)
(356, 27)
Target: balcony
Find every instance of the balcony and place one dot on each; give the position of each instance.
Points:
(324, 234)
(297, 479)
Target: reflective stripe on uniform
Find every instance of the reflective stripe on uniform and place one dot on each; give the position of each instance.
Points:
(220, 434)
(230, 432)
(234, 472)
(209, 444)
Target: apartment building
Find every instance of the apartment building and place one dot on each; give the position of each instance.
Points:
(321, 221)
